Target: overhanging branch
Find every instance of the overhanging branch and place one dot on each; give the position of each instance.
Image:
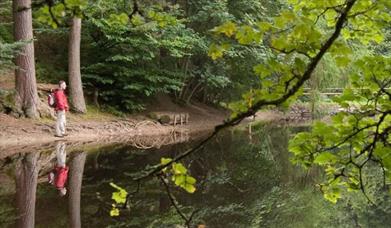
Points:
(262, 103)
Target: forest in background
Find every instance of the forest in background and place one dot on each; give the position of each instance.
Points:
(130, 54)
(130, 51)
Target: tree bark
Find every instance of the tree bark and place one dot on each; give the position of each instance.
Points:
(75, 85)
(25, 81)
(76, 170)
(26, 175)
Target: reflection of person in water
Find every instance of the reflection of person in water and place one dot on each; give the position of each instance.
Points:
(59, 175)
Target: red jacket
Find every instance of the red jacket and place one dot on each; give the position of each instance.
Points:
(60, 176)
(61, 100)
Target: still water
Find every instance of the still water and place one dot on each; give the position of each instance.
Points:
(243, 180)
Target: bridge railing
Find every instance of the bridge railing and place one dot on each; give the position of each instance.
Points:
(329, 91)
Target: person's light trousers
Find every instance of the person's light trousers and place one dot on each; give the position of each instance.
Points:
(61, 122)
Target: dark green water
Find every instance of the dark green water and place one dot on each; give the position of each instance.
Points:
(242, 181)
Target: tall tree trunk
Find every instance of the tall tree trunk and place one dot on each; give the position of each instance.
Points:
(76, 170)
(25, 81)
(75, 85)
(26, 175)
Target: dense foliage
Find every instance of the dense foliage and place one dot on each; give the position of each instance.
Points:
(8, 49)
(133, 50)
(129, 60)
(357, 136)
(300, 37)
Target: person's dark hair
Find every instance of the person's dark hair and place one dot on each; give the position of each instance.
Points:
(60, 82)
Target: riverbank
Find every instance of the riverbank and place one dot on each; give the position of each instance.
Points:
(99, 126)
(97, 129)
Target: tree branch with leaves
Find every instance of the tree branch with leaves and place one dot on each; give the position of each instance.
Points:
(229, 29)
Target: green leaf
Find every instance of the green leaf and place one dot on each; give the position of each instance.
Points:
(178, 168)
(165, 161)
(190, 180)
(114, 212)
(217, 51)
(325, 158)
(264, 26)
(333, 195)
(228, 28)
(180, 179)
(262, 70)
(120, 195)
(189, 188)
(246, 35)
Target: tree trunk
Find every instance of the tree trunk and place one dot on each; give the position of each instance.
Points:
(25, 81)
(96, 97)
(76, 170)
(188, 99)
(26, 175)
(75, 85)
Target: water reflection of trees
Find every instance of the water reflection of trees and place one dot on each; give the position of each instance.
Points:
(236, 176)
(76, 169)
(240, 184)
(32, 168)
(229, 171)
(26, 176)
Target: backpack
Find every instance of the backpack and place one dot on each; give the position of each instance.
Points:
(51, 100)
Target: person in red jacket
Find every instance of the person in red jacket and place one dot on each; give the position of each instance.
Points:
(61, 107)
(59, 175)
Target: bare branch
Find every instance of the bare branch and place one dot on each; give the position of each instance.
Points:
(129, 195)
(174, 203)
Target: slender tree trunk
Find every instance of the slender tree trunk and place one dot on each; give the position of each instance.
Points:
(185, 70)
(76, 170)
(188, 99)
(75, 85)
(25, 81)
(96, 97)
(26, 175)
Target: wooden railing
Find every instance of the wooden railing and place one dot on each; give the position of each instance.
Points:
(328, 91)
